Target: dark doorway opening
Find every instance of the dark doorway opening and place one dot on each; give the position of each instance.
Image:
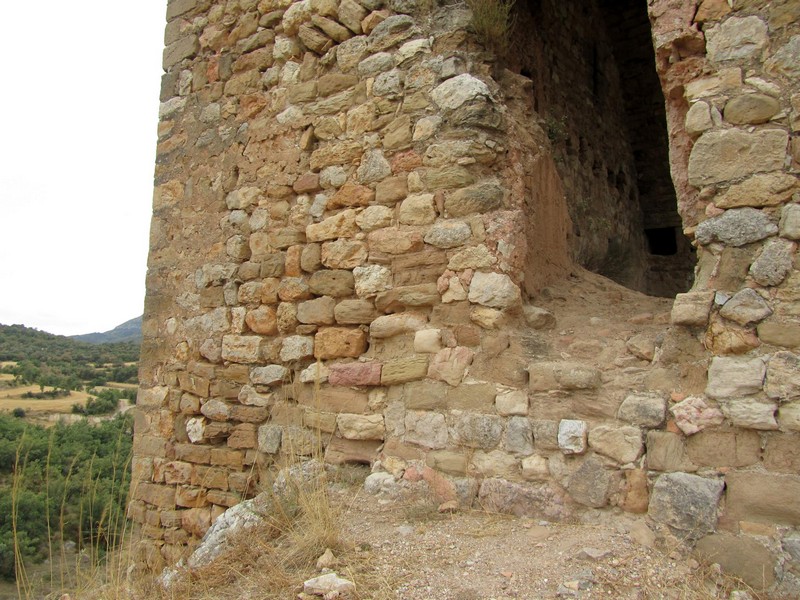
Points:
(598, 95)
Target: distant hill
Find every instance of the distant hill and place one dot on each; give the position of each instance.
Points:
(129, 331)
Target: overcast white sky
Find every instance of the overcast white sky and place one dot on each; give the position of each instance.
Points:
(79, 103)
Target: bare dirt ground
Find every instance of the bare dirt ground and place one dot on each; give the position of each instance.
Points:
(417, 553)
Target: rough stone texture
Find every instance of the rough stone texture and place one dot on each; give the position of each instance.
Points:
(335, 180)
(693, 415)
(645, 409)
(746, 307)
(783, 377)
(736, 227)
(730, 154)
(739, 555)
(572, 436)
(734, 377)
(686, 502)
(494, 290)
(736, 38)
(762, 498)
(774, 263)
(623, 444)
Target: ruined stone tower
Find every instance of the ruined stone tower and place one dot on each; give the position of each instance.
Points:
(359, 211)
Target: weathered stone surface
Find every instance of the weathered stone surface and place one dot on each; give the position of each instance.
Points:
(417, 210)
(374, 217)
(535, 468)
(335, 283)
(785, 60)
(572, 436)
(448, 234)
(401, 370)
(392, 240)
(646, 409)
(495, 290)
(216, 410)
(724, 448)
(425, 428)
(783, 377)
(511, 402)
(339, 342)
(540, 501)
(763, 498)
(328, 584)
(262, 320)
(774, 263)
(356, 373)
(623, 444)
(492, 464)
(450, 364)
(780, 334)
(667, 452)
(518, 438)
(736, 227)
(763, 189)
(428, 341)
(698, 119)
(373, 168)
(592, 484)
(686, 502)
(343, 254)
(741, 556)
(735, 377)
(360, 427)
(751, 108)
(354, 312)
(782, 453)
(736, 38)
(390, 32)
(724, 81)
(732, 153)
(268, 375)
(241, 348)
(479, 431)
(342, 225)
(693, 415)
(790, 222)
(692, 308)
(479, 198)
(750, 413)
(459, 90)
(575, 376)
(539, 318)
(391, 325)
(297, 347)
(371, 279)
(318, 311)
(746, 307)
(424, 294)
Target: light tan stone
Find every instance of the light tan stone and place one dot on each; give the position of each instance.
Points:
(770, 189)
(342, 225)
(360, 427)
(339, 342)
(344, 254)
(402, 370)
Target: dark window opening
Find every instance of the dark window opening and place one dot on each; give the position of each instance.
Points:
(662, 241)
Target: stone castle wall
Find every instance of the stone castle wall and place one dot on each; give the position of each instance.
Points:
(355, 205)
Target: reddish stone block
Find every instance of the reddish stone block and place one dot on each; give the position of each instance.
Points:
(348, 374)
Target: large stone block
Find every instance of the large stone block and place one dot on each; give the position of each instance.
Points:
(782, 453)
(424, 428)
(735, 377)
(667, 451)
(623, 444)
(402, 370)
(450, 364)
(495, 290)
(479, 431)
(241, 348)
(740, 556)
(736, 38)
(763, 498)
(732, 153)
(733, 448)
(355, 373)
(339, 342)
(646, 409)
(686, 502)
(360, 427)
(592, 483)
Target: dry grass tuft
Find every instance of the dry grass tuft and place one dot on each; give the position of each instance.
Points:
(493, 22)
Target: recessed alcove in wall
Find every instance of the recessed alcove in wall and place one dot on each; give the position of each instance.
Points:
(599, 99)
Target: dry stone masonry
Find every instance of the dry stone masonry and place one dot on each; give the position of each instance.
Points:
(357, 210)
